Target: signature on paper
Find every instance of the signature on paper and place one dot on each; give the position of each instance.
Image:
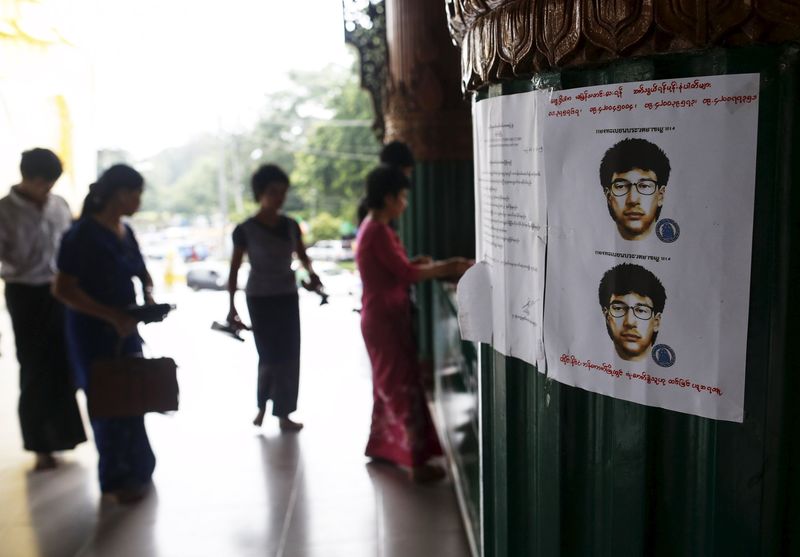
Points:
(527, 306)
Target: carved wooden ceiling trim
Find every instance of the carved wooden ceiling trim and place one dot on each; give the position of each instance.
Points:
(502, 39)
(423, 103)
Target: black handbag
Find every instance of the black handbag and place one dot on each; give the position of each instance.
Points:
(125, 386)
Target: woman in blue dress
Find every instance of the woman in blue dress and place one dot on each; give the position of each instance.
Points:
(98, 259)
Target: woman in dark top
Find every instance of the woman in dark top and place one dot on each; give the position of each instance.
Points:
(98, 258)
(270, 240)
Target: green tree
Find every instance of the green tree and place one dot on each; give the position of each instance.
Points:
(317, 130)
(175, 180)
(330, 170)
(196, 191)
(324, 226)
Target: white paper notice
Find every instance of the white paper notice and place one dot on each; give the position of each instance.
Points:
(511, 219)
(651, 188)
(474, 299)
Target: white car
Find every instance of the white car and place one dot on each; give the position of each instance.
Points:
(330, 250)
(336, 281)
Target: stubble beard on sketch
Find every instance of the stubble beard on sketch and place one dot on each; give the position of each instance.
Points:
(634, 221)
(625, 354)
(628, 233)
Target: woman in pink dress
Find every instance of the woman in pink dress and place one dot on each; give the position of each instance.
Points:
(402, 431)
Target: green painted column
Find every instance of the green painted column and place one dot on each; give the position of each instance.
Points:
(439, 222)
(425, 108)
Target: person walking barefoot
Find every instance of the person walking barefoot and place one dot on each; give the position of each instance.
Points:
(270, 239)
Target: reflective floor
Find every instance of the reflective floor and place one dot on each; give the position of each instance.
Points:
(223, 487)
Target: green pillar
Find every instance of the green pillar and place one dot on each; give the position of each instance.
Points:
(566, 472)
(425, 108)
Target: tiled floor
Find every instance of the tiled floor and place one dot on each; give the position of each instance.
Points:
(223, 487)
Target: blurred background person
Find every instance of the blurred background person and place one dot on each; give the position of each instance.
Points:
(270, 239)
(32, 221)
(394, 153)
(98, 259)
(397, 153)
(402, 430)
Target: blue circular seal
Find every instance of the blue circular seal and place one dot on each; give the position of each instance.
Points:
(667, 230)
(663, 355)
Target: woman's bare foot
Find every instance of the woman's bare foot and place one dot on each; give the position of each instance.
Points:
(427, 473)
(288, 425)
(45, 461)
(259, 417)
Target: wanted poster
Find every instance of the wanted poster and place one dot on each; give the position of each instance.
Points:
(650, 189)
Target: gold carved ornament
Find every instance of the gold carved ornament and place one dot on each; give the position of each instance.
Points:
(504, 39)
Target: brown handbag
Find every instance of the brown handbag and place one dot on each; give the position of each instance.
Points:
(132, 386)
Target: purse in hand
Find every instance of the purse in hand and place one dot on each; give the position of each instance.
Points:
(124, 386)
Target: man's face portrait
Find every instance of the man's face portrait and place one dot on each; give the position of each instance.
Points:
(634, 174)
(634, 200)
(632, 300)
(631, 323)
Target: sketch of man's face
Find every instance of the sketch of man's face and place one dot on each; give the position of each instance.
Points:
(632, 324)
(635, 210)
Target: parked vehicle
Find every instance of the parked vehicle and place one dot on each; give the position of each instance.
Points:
(330, 250)
(213, 276)
(337, 281)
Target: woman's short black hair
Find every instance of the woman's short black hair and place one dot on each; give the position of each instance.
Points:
(384, 180)
(265, 175)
